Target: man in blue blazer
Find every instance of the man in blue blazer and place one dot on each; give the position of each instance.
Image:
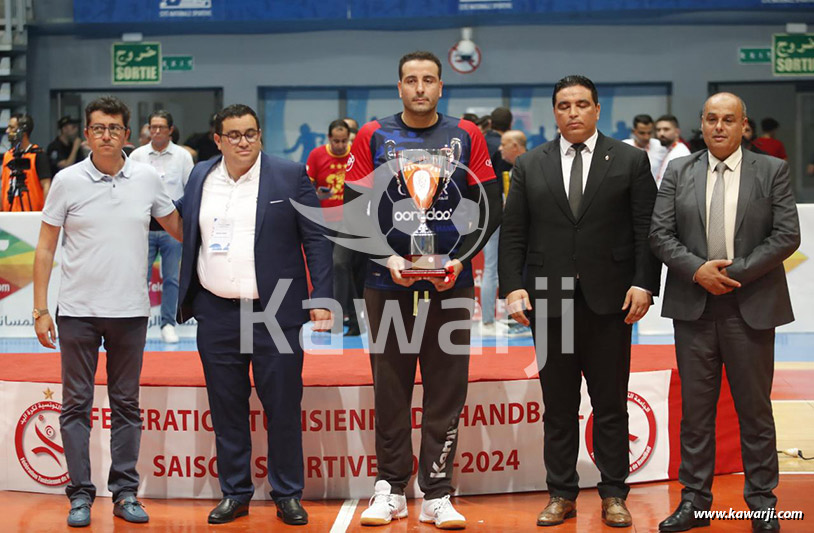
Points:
(243, 254)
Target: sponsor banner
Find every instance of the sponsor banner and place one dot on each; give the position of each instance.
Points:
(19, 233)
(500, 439)
(133, 11)
(799, 273)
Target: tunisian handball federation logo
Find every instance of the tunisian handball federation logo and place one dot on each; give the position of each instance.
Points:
(357, 221)
(642, 437)
(39, 445)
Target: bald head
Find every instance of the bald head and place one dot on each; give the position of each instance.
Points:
(722, 123)
(717, 97)
(512, 145)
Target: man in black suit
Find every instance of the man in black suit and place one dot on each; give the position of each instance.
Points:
(577, 218)
(724, 221)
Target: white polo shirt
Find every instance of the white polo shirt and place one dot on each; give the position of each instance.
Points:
(105, 220)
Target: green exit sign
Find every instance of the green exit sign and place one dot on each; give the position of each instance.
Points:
(754, 55)
(793, 54)
(177, 63)
(136, 63)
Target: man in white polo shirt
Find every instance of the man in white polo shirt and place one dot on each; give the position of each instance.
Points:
(641, 136)
(173, 164)
(103, 205)
(669, 135)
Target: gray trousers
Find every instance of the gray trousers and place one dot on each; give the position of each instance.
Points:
(79, 341)
(722, 338)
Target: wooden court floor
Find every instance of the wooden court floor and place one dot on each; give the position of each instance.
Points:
(649, 503)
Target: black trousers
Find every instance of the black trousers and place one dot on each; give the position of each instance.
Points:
(349, 279)
(722, 338)
(278, 381)
(601, 346)
(445, 377)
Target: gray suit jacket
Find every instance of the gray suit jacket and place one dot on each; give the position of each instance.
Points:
(767, 231)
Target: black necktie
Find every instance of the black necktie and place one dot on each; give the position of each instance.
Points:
(575, 184)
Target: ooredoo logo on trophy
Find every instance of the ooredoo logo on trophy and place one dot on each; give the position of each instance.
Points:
(39, 445)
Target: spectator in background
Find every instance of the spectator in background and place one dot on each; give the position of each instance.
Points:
(501, 120)
(144, 135)
(353, 129)
(173, 164)
(484, 123)
(768, 141)
(747, 143)
(326, 169)
(66, 149)
(203, 143)
(512, 145)
(669, 133)
(641, 136)
(26, 194)
(326, 165)
(471, 117)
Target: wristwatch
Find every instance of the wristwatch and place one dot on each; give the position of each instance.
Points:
(36, 313)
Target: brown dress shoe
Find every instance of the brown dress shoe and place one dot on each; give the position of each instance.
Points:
(557, 510)
(615, 513)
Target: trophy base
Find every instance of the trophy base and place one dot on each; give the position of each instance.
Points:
(425, 266)
(424, 273)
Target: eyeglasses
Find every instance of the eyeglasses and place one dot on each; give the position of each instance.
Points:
(98, 130)
(159, 128)
(234, 136)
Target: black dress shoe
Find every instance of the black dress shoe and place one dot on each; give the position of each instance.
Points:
(683, 518)
(764, 525)
(353, 331)
(291, 512)
(227, 510)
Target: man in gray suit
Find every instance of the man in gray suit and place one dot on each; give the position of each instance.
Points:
(724, 221)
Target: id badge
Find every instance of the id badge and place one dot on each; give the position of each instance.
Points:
(221, 237)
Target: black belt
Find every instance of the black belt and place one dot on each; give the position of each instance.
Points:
(256, 304)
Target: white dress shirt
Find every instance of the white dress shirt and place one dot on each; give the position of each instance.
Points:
(173, 164)
(732, 184)
(567, 158)
(229, 274)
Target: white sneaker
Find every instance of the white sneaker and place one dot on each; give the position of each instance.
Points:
(441, 512)
(168, 334)
(383, 506)
(493, 329)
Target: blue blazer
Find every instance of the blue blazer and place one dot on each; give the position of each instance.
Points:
(281, 233)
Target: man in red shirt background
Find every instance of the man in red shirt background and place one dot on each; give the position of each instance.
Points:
(326, 165)
(767, 142)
